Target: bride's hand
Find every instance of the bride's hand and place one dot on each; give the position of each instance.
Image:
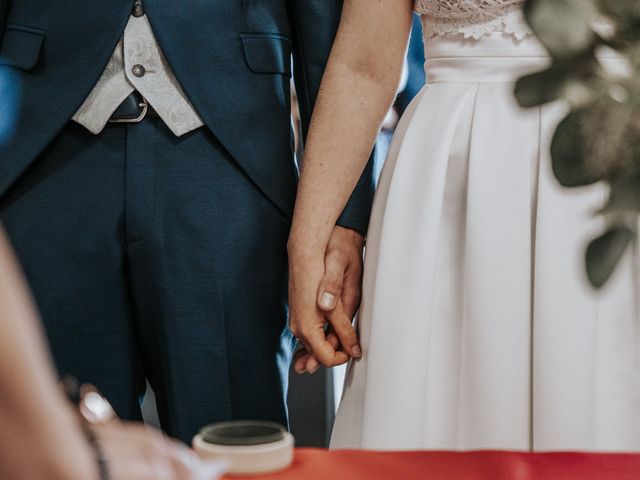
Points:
(305, 362)
(325, 288)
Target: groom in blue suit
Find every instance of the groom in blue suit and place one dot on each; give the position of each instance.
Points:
(148, 189)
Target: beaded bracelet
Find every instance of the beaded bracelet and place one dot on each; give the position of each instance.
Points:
(93, 409)
(100, 457)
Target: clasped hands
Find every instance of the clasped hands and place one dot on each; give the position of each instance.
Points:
(324, 295)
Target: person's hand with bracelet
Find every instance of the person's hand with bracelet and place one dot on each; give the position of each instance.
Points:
(132, 451)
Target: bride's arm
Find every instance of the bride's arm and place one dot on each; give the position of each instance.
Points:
(357, 90)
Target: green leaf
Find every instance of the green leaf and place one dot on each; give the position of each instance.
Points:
(569, 156)
(625, 194)
(541, 87)
(563, 26)
(626, 10)
(559, 81)
(604, 254)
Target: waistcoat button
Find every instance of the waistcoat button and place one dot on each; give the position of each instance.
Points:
(138, 70)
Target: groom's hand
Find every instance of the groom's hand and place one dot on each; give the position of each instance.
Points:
(338, 296)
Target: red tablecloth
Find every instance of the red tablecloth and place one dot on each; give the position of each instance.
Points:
(313, 464)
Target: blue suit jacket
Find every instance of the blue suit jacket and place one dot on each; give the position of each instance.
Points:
(232, 58)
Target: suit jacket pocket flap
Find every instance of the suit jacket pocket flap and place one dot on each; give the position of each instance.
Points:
(267, 53)
(21, 46)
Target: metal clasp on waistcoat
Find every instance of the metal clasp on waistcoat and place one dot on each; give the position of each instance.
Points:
(145, 108)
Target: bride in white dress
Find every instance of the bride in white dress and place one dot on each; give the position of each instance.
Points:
(478, 328)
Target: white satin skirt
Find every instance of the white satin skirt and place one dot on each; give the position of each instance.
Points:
(479, 329)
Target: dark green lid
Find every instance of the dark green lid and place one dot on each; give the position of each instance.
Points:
(243, 433)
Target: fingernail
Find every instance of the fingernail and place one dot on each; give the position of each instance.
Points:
(328, 300)
(357, 352)
(311, 372)
(301, 372)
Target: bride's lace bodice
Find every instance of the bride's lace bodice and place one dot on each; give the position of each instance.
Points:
(472, 18)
